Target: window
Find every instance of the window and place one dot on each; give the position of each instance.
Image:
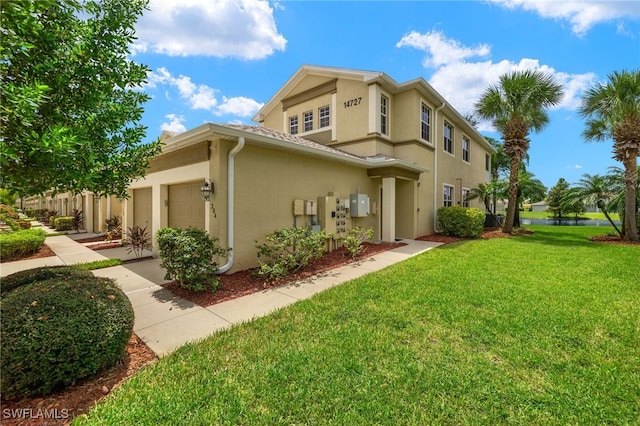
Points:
(465, 149)
(487, 162)
(447, 196)
(448, 138)
(425, 123)
(308, 121)
(325, 116)
(384, 124)
(465, 195)
(293, 125)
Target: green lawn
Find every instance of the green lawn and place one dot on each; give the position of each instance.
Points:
(544, 215)
(541, 329)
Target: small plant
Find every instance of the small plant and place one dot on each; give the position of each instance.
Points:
(354, 240)
(189, 255)
(288, 250)
(114, 228)
(58, 328)
(465, 222)
(139, 240)
(77, 221)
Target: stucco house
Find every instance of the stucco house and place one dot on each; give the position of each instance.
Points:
(335, 148)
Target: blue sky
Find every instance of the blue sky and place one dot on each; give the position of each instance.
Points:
(220, 61)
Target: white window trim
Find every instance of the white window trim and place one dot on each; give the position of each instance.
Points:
(320, 117)
(453, 191)
(453, 137)
(297, 124)
(464, 202)
(430, 140)
(386, 114)
(304, 121)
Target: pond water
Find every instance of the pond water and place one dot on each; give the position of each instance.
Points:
(568, 222)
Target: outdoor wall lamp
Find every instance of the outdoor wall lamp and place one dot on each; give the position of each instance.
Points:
(206, 190)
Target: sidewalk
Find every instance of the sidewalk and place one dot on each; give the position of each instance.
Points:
(165, 322)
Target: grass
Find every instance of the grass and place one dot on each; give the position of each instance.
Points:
(98, 264)
(546, 215)
(541, 329)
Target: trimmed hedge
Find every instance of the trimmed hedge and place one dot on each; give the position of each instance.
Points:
(21, 243)
(61, 330)
(466, 222)
(30, 276)
(62, 223)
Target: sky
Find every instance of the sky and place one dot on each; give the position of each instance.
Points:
(220, 61)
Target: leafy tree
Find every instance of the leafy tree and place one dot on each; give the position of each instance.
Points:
(612, 110)
(8, 197)
(516, 106)
(71, 103)
(615, 179)
(594, 190)
(529, 188)
(555, 197)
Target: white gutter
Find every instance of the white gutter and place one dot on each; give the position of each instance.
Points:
(231, 202)
(435, 171)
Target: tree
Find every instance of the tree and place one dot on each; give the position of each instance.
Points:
(555, 197)
(594, 190)
(71, 101)
(516, 106)
(615, 180)
(529, 188)
(612, 110)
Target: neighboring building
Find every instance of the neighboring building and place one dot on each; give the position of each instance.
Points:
(329, 133)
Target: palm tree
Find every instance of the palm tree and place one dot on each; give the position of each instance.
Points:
(592, 189)
(615, 179)
(612, 110)
(531, 188)
(516, 106)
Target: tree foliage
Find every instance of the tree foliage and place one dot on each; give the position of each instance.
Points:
(612, 111)
(71, 98)
(517, 105)
(555, 197)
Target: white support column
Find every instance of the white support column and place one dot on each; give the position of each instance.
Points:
(389, 209)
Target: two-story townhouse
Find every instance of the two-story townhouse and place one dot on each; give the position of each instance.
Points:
(336, 148)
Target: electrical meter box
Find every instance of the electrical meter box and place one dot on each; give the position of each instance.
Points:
(359, 205)
(332, 214)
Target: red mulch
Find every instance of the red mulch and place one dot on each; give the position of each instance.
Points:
(44, 251)
(613, 239)
(245, 282)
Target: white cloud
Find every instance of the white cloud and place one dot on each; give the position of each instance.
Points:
(575, 166)
(581, 14)
(239, 105)
(463, 82)
(174, 124)
(201, 96)
(221, 28)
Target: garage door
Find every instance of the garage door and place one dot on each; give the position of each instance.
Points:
(142, 208)
(186, 208)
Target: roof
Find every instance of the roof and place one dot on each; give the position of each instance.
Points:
(258, 135)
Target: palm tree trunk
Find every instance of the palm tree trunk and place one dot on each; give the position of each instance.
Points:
(630, 199)
(513, 194)
(602, 207)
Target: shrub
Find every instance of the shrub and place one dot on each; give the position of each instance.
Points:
(189, 255)
(9, 216)
(463, 222)
(21, 243)
(355, 237)
(77, 220)
(43, 273)
(63, 223)
(138, 239)
(288, 250)
(114, 228)
(24, 224)
(61, 330)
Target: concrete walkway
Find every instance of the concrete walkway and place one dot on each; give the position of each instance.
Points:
(165, 322)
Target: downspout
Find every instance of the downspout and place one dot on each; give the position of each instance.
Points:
(435, 168)
(231, 202)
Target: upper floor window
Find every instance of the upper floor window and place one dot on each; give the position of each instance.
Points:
(465, 197)
(466, 144)
(293, 125)
(487, 162)
(447, 196)
(448, 138)
(384, 115)
(308, 121)
(425, 123)
(325, 116)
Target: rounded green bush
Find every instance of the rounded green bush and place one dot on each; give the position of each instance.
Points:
(61, 330)
(466, 222)
(21, 243)
(30, 276)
